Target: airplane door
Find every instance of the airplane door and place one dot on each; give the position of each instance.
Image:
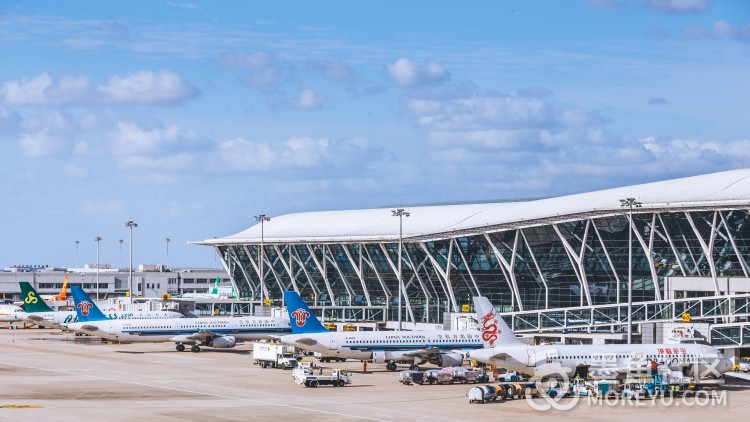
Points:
(333, 342)
(531, 358)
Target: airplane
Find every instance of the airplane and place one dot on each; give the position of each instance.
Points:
(438, 347)
(216, 332)
(38, 312)
(10, 313)
(216, 292)
(60, 297)
(503, 349)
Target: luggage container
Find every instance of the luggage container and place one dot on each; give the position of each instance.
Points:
(482, 394)
(412, 377)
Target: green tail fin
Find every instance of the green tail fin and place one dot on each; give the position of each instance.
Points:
(31, 300)
(215, 291)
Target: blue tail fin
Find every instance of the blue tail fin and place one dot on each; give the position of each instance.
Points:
(301, 318)
(85, 307)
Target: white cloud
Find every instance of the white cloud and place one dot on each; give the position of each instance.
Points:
(310, 99)
(132, 140)
(481, 112)
(249, 60)
(40, 144)
(335, 70)
(157, 88)
(679, 6)
(161, 87)
(295, 153)
(720, 29)
(263, 77)
(406, 73)
(42, 90)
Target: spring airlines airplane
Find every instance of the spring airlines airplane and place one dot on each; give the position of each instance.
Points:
(441, 348)
(39, 313)
(504, 350)
(216, 332)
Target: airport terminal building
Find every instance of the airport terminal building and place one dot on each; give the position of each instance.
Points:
(549, 265)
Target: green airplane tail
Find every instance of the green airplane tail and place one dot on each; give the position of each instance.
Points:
(215, 291)
(32, 302)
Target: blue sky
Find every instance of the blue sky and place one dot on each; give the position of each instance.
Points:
(192, 117)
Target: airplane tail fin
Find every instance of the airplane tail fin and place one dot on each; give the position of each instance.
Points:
(494, 330)
(85, 307)
(32, 302)
(63, 296)
(302, 319)
(215, 290)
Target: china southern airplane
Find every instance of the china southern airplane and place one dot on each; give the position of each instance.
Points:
(38, 312)
(441, 348)
(216, 332)
(504, 350)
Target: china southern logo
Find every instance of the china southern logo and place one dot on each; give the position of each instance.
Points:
(85, 307)
(300, 316)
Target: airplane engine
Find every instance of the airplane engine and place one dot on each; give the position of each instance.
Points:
(223, 342)
(378, 356)
(445, 360)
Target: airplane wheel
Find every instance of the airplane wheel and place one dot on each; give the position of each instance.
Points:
(414, 367)
(180, 347)
(195, 349)
(391, 366)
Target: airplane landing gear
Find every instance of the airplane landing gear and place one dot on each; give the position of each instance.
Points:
(414, 367)
(180, 347)
(391, 366)
(195, 349)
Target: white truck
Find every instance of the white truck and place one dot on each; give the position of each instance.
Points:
(274, 355)
(310, 377)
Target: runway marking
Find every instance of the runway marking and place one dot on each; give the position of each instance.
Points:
(68, 372)
(20, 406)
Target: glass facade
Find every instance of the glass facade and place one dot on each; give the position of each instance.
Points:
(557, 265)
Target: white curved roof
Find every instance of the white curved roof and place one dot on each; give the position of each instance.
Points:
(726, 189)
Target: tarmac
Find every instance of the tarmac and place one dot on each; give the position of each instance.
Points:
(47, 375)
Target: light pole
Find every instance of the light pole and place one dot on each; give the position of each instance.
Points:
(168, 240)
(262, 218)
(630, 203)
(120, 252)
(97, 239)
(77, 242)
(130, 224)
(400, 213)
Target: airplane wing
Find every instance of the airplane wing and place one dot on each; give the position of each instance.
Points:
(33, 317)
(429, 352)
(199, 336)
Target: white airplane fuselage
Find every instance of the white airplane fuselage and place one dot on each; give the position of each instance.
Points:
(612, 358)
(383, 346)
(160, 331)
(61, 319)
(10, 313)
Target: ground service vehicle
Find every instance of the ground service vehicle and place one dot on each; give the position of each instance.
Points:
(482, 394)
(336, 378)
(328, 358)
(412, 377)
(274, 355)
